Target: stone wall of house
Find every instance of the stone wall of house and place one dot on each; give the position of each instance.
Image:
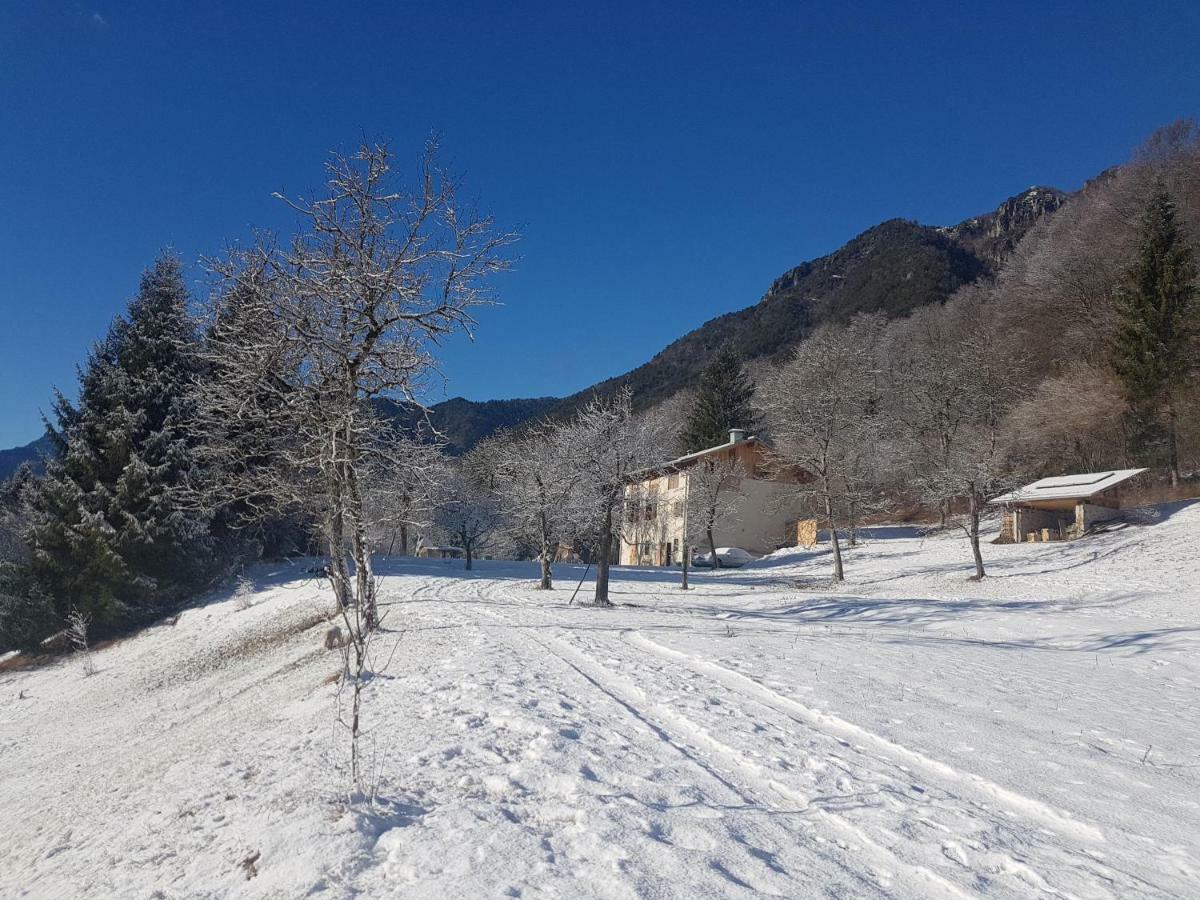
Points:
(1087, 515)
(1027, 519)
(762, 521)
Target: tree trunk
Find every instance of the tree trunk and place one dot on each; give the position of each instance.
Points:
(686, 555)
(546, 557)
(1173, 444)
(404, 540)
(838, 571)
(467, 550)
(339, 572)
(364, 576)
(712, 548)
(974, 535)
(603, 554)
(853, 524)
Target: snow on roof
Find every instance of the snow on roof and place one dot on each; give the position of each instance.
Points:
(685, 460)
(1068, 487)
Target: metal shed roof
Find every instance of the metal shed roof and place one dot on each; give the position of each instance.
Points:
(1068, 487)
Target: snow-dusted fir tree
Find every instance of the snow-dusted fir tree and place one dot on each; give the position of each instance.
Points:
(26, 614)
(722, 401)
(1155, 346)
(537, 480)
(607, 444)
(113, 537)
(820, 407)
(347, 310)
(252, 523)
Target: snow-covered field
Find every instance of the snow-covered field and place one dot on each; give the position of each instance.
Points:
(907, 734)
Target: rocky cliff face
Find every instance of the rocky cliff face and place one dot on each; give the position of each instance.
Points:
(993, 236)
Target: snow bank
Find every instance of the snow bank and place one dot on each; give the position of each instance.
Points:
(906, 733)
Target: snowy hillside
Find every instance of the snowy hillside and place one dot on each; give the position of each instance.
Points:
(907, 734)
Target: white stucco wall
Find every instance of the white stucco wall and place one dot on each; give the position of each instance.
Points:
(759, 522)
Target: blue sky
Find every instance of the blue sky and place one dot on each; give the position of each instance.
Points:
(664, 162)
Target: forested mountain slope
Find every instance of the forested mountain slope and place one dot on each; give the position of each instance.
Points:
(894, 267)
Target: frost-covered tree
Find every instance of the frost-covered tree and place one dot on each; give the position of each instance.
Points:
(402, 492)
(348, 310)
(26, 614)
(113, 536)
(723, 401)
(14, 515)
(712, 497)
(951, 392)
(250, 524)
(1154, 349)
(607, 443)
(468, 510)
(537, 481)
(821, 405)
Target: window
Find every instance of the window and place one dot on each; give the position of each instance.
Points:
(672, 481)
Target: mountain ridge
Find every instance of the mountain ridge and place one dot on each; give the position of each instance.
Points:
(892, 267)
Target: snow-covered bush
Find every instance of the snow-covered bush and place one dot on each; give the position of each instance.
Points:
(77, 634)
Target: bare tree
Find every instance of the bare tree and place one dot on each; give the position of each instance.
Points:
(401, 493)
(536, 483)
(468, 508)
(304, 335)
(712, 496)
(952, 391)
(1072, 420)
(820, 406)
(607, 443)
(77, 634)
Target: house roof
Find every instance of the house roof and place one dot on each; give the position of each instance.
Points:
(686, 460)
(1068, 487)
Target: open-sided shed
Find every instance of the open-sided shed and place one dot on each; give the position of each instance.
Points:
(1062, 507)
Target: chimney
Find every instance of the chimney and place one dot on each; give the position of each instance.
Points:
(737, 435)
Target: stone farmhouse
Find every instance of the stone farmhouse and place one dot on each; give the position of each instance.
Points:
(762, 518)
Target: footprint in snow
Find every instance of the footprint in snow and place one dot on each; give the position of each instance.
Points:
(954, 852)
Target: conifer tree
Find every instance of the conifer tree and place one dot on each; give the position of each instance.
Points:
(112, 537)
(1153, 351)
(723, 402)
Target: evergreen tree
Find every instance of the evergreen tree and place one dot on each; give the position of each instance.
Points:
(112, 537)
(250, 526)
(1153, 351)
(722, 403)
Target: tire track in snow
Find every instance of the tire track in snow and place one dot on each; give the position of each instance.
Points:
(990, 805)
(755, 788)
(936, 770)
(1081, 837)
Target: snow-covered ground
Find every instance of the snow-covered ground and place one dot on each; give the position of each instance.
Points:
(906, 734)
